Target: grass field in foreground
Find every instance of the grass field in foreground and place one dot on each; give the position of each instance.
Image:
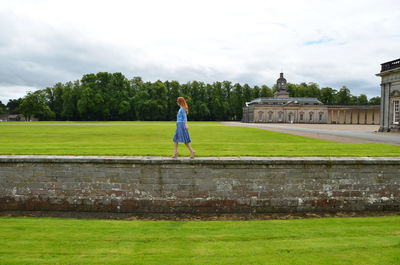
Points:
(155, 138)
(372, 240)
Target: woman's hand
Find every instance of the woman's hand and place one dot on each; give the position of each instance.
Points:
(186, 125)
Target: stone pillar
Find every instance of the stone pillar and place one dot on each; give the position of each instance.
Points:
(387, 106)
(391, 113)
(351, 117)
(373, 117)
(381, 115)
(344, 116)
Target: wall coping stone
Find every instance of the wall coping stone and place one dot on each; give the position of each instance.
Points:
(200, 160)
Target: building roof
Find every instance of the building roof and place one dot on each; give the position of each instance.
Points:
(284, 101)
(364, 107)
(389, 67)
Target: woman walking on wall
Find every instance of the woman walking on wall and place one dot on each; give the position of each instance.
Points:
(181, 132)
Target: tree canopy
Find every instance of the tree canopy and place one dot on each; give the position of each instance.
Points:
(2, 107)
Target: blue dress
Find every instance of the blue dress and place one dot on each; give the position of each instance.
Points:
(181, 134)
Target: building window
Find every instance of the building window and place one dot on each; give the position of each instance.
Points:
(260, 116)
(291, 117)
(270, 116)
(280, 116)
(396, 112)
(320, 116)
(311, 116)
(301, 116)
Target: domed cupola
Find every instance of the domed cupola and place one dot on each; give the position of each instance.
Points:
(281, 88)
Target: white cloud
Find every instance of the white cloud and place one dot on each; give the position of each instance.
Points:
(332, 43)
(13, 92)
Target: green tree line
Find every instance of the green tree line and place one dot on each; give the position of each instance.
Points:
(108, 97)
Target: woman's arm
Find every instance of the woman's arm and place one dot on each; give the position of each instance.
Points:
(185, 118)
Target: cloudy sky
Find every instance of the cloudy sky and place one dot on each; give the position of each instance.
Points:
(332, 43)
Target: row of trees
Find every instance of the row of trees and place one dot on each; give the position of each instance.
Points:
(12, 106)
(106, 96)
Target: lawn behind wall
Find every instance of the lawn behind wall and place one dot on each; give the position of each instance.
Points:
(371, 240)
(155, 139)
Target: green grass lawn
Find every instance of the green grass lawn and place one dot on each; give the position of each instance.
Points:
(155, 138)
(372, 240)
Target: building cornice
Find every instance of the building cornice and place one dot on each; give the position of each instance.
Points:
(388, 72)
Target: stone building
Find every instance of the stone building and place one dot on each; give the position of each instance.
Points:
(284, 109)
(390, 96)
(16, 117)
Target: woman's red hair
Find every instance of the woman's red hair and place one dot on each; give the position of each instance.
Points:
(182, 103)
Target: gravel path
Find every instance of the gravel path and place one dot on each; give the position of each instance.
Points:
(342, 133)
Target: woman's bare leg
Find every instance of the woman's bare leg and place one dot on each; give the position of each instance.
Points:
(176, 150)
(192, 152)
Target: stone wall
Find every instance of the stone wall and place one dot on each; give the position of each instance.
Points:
(143, 185)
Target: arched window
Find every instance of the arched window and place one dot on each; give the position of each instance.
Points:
(291, 117)
(260, 116)
(270, 116)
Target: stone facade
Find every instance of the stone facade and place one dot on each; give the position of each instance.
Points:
(284, 109)
(390, 96)
(296, 113)
(149, 185)
(291, 112)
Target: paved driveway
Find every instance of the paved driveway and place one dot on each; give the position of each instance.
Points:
(344, 133)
